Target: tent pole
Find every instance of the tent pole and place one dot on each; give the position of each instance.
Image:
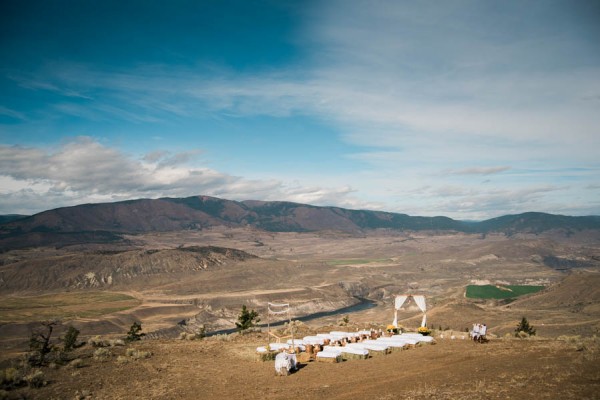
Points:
(268, 324)
(292, 330)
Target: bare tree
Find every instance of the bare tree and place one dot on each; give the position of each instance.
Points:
(39, 343)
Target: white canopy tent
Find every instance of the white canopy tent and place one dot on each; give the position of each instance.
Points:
(419, 301)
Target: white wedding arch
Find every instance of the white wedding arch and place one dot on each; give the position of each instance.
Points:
(419, 301)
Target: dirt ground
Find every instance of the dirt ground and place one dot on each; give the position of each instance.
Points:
(449, 369)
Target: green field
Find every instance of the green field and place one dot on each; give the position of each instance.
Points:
(63, 306)
(500, 292)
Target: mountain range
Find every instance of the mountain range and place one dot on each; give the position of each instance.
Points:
(106, 222)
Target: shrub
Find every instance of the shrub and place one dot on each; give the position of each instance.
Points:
(134, 332)
(246, 319)
(102, 354)
(82, 395)
(122, 360)
(569, 339)
(97, 341)
(57, 356)
(35, 379)
(137, 354)
(293, 326)
(268, 356)
(10, 377)
(522, 334)
(524, 326)
(201, 332)
(70, 339)
(116, 342)
(221, 337)
(141, 354)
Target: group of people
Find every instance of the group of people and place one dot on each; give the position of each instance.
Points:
(478, 332)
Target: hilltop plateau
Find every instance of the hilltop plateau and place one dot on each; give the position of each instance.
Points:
(216, 368)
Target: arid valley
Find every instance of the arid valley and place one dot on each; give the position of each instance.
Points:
(184, 281)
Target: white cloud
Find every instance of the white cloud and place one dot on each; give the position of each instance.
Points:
(479, 170)
(8, 112)
(83, 170)
(502, 113)
(476, 203)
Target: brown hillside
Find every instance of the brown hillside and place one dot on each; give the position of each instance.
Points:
(114, 270)
(578, 290)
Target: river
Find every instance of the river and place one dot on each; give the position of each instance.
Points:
(363, 304)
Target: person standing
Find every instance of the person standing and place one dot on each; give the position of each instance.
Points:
(475, 332)
(482, 332)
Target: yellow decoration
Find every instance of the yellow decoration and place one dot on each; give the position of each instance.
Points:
(424, 330)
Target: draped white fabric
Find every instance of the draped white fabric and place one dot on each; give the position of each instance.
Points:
(420, 300)
(279, 304)
(278, 312)
(282, 308)
(400, 300)
(284, 363)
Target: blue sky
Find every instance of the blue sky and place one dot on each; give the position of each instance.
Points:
(469, 109)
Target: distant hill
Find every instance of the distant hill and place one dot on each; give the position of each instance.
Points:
(105, 222)
(535, 222)
(11, 217)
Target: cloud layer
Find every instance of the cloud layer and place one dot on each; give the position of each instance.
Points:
(83, 170)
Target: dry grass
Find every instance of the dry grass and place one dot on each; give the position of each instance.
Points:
(102, 354)
(452, 369)
(64, 306)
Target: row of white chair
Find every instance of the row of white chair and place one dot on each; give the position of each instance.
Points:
(382, 344)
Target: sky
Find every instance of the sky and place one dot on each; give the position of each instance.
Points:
(467, 109)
